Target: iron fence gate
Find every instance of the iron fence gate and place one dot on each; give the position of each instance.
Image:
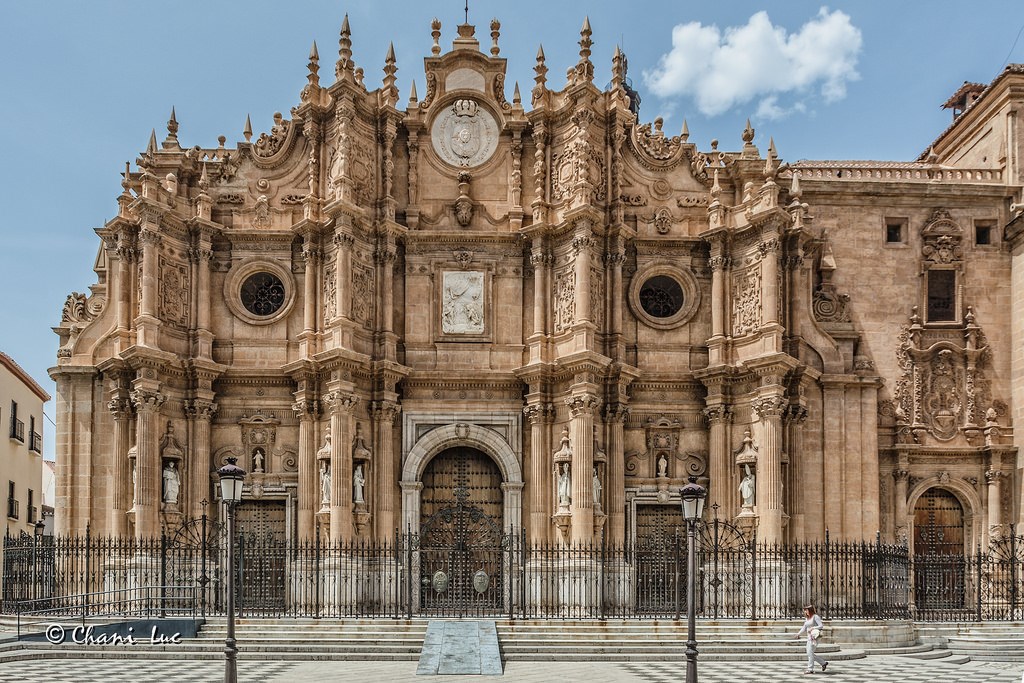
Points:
(461, 564)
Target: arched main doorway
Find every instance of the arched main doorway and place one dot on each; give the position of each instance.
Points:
(939, 561)
(460, 535)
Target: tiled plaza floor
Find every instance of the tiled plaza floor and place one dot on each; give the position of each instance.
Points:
(871, 669)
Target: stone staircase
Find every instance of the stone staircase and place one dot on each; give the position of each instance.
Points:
(568, 640)
(979, 641)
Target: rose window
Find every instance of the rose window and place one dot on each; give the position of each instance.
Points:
(263, 294)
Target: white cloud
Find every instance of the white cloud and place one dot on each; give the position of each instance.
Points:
(759, 61)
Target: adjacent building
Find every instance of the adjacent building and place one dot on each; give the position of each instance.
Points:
(534, 304)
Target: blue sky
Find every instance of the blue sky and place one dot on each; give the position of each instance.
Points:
(84, 83)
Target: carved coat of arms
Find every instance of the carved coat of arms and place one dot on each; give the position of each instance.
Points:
(465, 134)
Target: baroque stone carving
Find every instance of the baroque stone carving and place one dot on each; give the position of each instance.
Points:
(746, 306)
(362, 295)
(654, 147)
(565, 300)
(465, 134)
(267, 146)
(942, 387)
(462, 302)
(330, 294)
(942, 237)
(174, 292)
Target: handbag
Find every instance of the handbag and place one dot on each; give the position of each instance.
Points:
(815, 633)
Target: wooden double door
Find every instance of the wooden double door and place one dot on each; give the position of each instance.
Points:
(939, 552)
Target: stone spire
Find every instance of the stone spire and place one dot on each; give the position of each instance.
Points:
(151, 147)
(171, 141)
(517, 99)
(247, 131)
(345, 64)
(749, 150)
(413, 97)
(314, 67)
(495, 32)
(389, 90)
(685, 134)
(540, 79)
(618, 69)
(585, 69)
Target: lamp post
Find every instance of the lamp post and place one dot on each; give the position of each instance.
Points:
(692, 496)
(38, 531)
(231, 477)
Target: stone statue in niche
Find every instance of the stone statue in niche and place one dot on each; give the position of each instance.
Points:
(662, 466)
(462, 303)
(564, 487)
(358, 480)
(747, 487)
(135, 487)
(258, 458)
(566, 450)
(325, 483)
(597, 490)
(171, 483)
(325, 450)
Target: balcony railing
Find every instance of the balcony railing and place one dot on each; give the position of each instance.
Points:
(12, 508)
(35, 442)
(17, 429)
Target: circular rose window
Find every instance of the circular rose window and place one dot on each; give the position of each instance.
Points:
(661, 297)
(263, 294)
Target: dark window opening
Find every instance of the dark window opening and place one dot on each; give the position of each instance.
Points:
(661, 297)
(262, 294)
(983, 234)
(894, 232)
(941, 296)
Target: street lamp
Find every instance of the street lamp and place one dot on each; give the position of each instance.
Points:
(38, 531)
(231, 478)
(692, 496)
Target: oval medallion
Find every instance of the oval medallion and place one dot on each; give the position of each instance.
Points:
(464, 134)
(481, 582)
(440, 581)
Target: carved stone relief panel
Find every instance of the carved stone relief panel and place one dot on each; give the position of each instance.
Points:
(330, 293)
(362, 295)
(462, 302)
(746, 303)
(465, 134)
(174, 292)
(597, 297)
(565, 299)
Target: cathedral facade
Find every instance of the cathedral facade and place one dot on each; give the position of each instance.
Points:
(538, 306)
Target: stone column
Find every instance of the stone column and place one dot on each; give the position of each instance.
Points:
(386, 268)
(384, 414)
(126, 255)
(901, 476)
(720, 465)
(538, 414)
(581, 266)
(615, 477)
(539, 262)
(309, 486)
(148, 321)
(833, 426)
(200, 413)
(311, 255)
(121, 474)
(342, 274)
(995, 515)
(870, 503)
(614, 292)
(148, 469)
(793, 500)
(340, 405)
(203, 253)
(769, 468)
(770, 276)
(581, 434)
(718, 265)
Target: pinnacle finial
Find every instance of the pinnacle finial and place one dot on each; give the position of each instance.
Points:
(618, 69)
(389, 89)
(794, 187)
(435, 33)
(344, 64)
(204, 181)
(314, 67)
(172, 131)
(517, 99)
(585, 42)
(413, 97)
(716, 189)
(685, 134)
(540, 69)
(748, 133)
(247, 131)
(151, 147)
(495, 32)
(390, 57)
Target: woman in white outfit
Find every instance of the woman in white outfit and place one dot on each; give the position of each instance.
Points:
(812, 629)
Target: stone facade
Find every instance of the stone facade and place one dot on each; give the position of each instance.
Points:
(595, 307)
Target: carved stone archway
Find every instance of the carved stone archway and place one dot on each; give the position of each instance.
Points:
(475, 436)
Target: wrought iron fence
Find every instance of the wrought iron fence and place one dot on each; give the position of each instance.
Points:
(737, 577)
